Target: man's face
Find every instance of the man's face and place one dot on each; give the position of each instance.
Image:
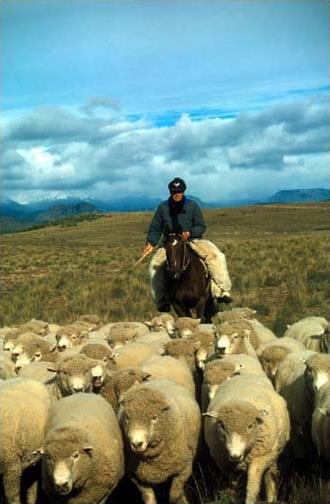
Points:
(177, 196)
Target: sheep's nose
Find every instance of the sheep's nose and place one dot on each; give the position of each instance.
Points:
(63, 488)
(137, 444)
(78, 388)
(235, 458)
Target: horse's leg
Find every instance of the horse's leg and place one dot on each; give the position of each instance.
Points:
(200, 307)
(181, 312)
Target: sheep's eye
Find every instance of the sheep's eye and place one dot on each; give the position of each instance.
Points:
(154, 418)
(75, 455)
(235, 337)
(74, 337)
(250, 426)
(37, 354)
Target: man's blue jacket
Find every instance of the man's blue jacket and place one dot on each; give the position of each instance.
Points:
(171, 217)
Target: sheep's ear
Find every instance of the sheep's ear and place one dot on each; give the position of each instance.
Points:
(247, 333)
(88, 449)
(210, 414)
(198, 320)
(53, 369)
(166, 408)
(147, 323)
(145, 376)
(52, 347)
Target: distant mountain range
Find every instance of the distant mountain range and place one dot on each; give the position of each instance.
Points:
(15, 216)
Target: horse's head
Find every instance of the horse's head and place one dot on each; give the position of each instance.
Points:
(177, 255)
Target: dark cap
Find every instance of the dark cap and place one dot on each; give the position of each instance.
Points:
(177, 185)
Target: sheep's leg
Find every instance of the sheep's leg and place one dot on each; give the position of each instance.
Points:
(12, 483)
(270, 484)
(147, 493)
(255, 472)
(177, 495)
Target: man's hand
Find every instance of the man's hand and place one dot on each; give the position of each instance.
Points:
(147, 249)
(185, 235)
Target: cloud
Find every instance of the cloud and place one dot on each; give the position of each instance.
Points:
(251, 155)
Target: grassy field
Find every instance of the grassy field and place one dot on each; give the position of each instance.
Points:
(278, 258)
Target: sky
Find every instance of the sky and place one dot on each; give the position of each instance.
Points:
(113, 98)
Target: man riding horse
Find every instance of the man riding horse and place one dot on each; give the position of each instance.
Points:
(179, 214)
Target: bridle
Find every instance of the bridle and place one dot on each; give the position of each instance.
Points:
(176, 275)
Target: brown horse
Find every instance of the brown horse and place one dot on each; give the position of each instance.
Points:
(188, 281)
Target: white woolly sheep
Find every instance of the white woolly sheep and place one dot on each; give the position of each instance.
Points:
(290, 383)
(233, 315)
(83, 458)
(186, 326)
(321, 422)
(317, 372)
(257, 333)
(123, 332)
(131, 355)
(9, 339)
(183, 350)
(156, 339)
(78, 374)
(71, 335)
(273, 352)
(314, 332)
(168, 368)
(116, 383)
(247, 426)
(97, 351)
(205, 341)
(234, 339)
(219, 370)
(24, 412)
(164, 321)
(7, 369)
(29, 348)
(161, 424)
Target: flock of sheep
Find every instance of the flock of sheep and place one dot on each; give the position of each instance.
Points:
(86, 404)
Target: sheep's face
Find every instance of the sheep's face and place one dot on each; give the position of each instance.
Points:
(31, 351)
(238, 431)
(9, 342)
(204, 350)
(76, 374)
(144, 428)
(223, 373)
(98, 373)
(67, 338)
(227, 343)
(67, 465)
(316, 377)
(75, 382)
(124, 379)
(270, 360)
